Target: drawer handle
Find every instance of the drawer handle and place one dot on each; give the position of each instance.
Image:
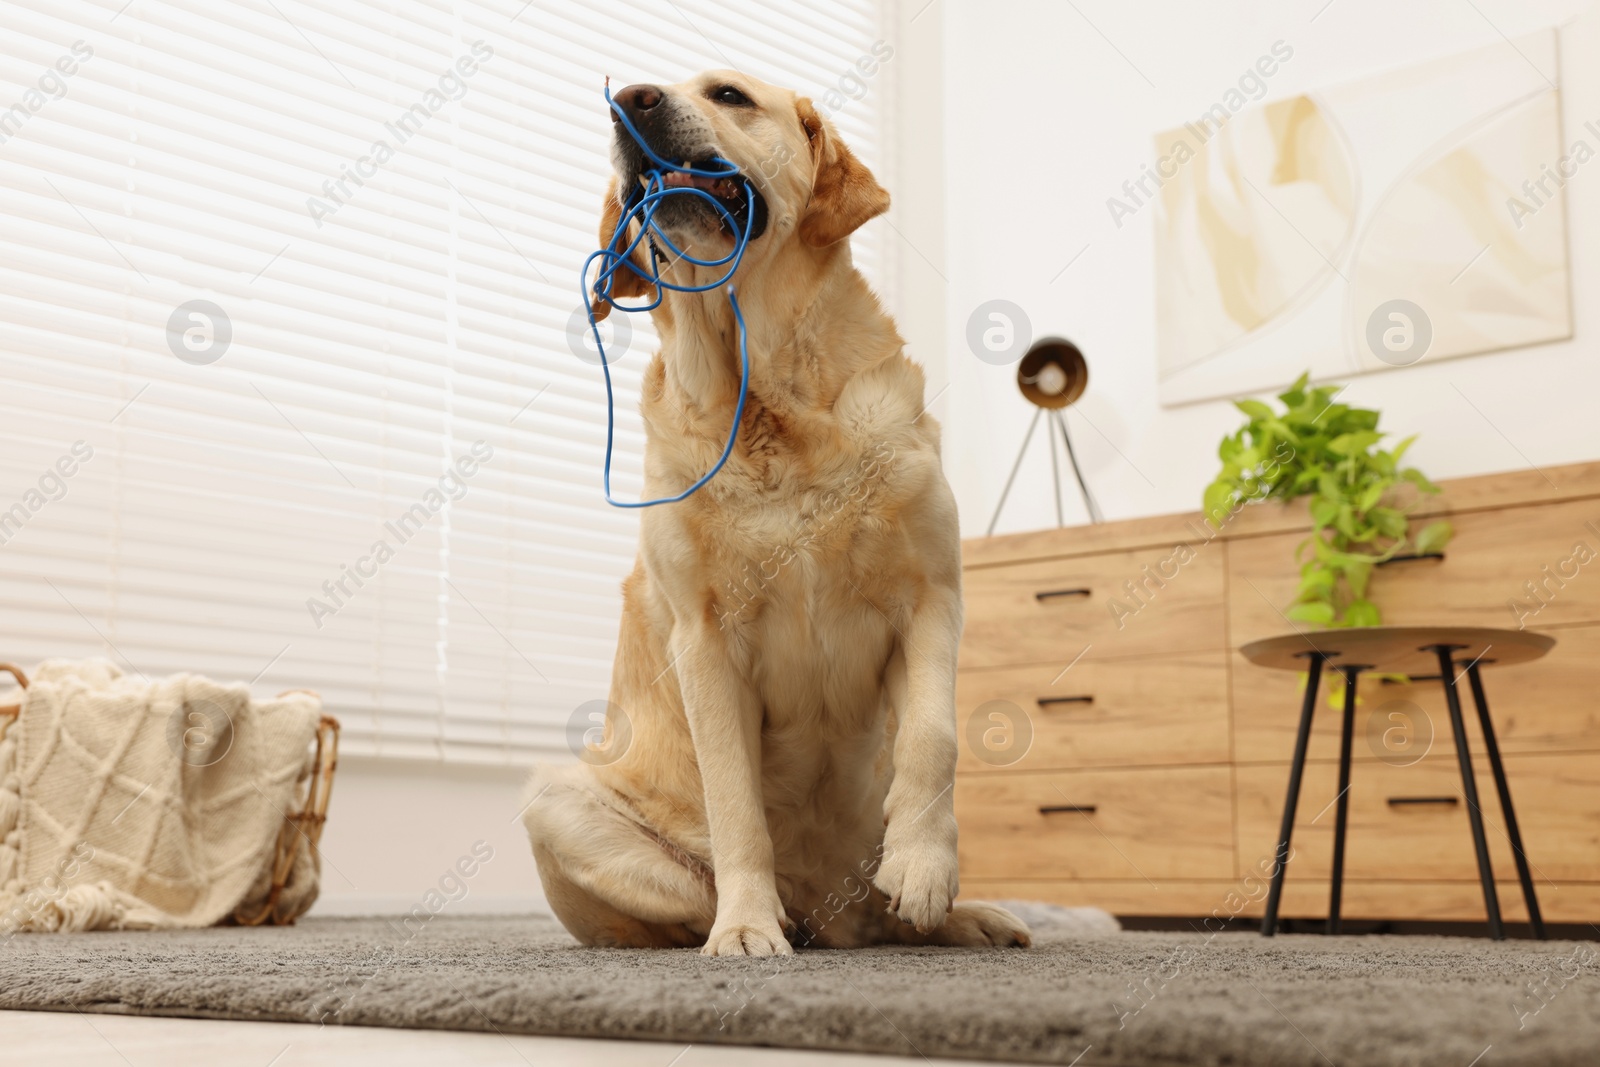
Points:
(1046, 702)
(1056, 594)
(1058, 809)
(1395, 802)
(1411, 558)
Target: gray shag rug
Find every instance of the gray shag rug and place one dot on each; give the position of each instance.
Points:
(1082, 995)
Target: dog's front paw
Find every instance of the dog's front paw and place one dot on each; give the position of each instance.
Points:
(746, 939)
(919, 876)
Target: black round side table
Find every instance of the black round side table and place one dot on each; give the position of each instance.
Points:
(1453, 651)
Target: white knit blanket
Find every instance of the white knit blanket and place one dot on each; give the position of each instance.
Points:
(134, 804)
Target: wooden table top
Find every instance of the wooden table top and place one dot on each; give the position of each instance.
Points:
(1398, 649)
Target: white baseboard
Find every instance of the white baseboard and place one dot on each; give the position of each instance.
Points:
(356, 904)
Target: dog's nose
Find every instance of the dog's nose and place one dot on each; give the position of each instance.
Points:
(636, 99)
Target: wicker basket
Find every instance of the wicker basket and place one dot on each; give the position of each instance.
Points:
(307, 822)
(11, 711)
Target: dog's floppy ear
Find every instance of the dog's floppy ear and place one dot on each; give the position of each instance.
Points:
(844, 194)
(624, 282)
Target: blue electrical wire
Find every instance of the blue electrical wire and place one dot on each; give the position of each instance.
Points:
(642, 205)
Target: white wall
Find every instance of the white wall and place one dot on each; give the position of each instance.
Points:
(917, 215)
(1044, 120)
(395, 827)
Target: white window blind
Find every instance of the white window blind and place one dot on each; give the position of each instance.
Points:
(381, 209)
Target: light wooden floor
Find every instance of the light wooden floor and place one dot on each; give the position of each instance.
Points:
(86, 1040)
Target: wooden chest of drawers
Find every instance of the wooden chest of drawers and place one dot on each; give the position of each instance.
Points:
(1117, 751)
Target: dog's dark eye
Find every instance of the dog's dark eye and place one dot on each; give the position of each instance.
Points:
(727, 94)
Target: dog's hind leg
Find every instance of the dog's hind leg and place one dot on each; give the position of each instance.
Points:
(970, 924)
(609, 879)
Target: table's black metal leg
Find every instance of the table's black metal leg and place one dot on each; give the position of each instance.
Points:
(1342, 802)
(1535, 919)
(1269, 921)
(1469, 786)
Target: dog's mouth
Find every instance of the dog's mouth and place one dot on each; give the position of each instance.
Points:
(736, 195)
(726, 189)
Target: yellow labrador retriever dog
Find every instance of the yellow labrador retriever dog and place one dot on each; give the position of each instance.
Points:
(780, 747)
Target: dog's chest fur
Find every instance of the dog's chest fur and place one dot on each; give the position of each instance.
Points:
(805, 554)
(814, 599)
(811, 582)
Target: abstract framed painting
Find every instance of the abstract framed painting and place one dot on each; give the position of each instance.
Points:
(1403, 218)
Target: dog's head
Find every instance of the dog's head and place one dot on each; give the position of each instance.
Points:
(808, 185)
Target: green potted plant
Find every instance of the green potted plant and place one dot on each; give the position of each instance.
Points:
(1329, 452)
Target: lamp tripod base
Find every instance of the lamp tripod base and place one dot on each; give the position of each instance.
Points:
(1060, 423)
